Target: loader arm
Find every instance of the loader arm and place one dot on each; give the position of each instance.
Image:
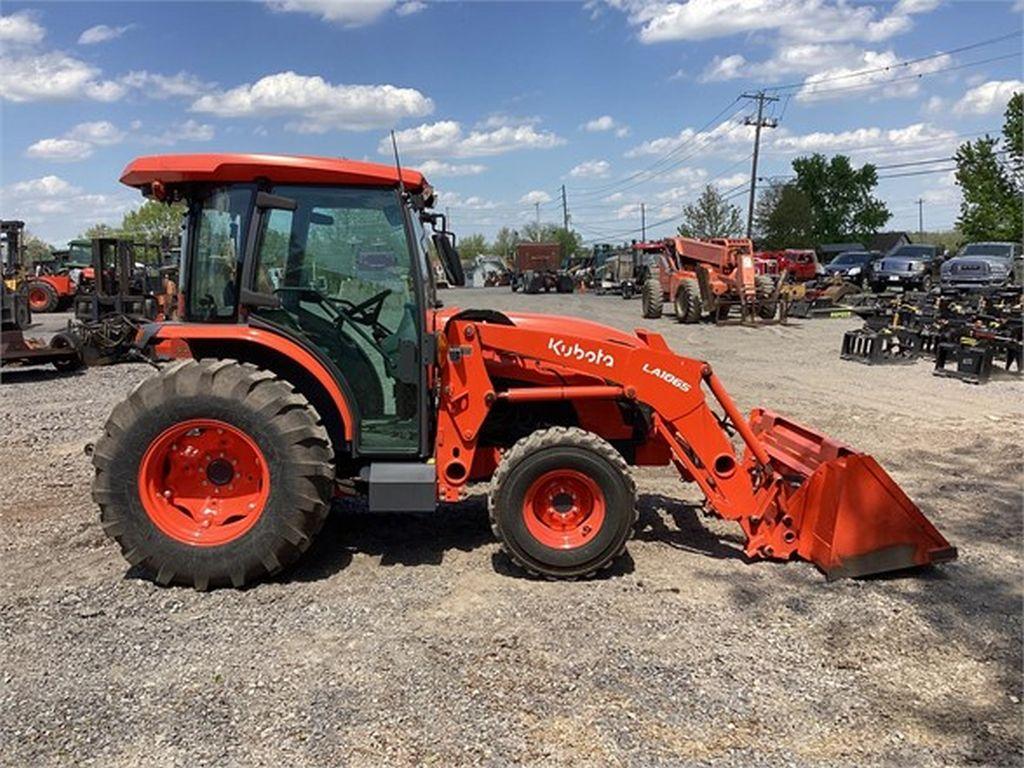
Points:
(792, 490)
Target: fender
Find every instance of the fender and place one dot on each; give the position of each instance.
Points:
(157, 332)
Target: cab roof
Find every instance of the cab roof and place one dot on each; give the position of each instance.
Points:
(282, 169)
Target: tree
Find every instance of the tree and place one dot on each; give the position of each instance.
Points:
(98, 230)
(993, 188)
(471, 246)
(35, 249)
(154, 220)
(505, 242)
(782, 218)
(711, 216)
(842, 207)
(569, 239)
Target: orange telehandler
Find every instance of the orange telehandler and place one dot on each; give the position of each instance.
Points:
(706, 278)
(321, 361)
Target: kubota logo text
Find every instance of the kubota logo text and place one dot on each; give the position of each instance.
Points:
(575, 352)
(668, 377)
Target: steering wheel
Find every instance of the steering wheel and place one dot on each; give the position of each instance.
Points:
(366, 312)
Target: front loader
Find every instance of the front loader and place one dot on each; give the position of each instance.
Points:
(321, 363)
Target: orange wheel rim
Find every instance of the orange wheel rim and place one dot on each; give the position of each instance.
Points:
(204, 482)
(36, 298)
(564, 509)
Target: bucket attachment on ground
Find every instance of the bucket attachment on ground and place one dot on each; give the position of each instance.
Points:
(850, 518)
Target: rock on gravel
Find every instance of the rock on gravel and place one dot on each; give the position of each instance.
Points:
(403, 640)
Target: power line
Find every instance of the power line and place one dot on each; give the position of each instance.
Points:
(899, 64)
(758, 123)
(812, 91)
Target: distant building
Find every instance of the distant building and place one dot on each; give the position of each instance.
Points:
(883, 242)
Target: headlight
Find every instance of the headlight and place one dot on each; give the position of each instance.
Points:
(918, 266)
(854, 271)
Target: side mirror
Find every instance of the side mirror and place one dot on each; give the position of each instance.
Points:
(450, 260)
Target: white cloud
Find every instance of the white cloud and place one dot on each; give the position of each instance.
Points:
(157, 86)
(347, 13)
(918, 137)
(99, 132)
(51, 77)
(842, 82)
(726, 133)
(410, 7)
(188, 131)
(45, 186)
(447, 139)
(988, 98)
(60, 150)
(20, 29)
(316, 105)
(436, 168)
(101, 33)
(606, 123)
(455, 200)
(59, 210)
(591, 169)
(535, 196)
(76, 144)
(811, 20)
(724, 68)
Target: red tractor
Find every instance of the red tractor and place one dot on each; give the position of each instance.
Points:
(312, 374)
(708, 277)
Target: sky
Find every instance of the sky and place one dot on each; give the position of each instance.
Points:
(501, 104)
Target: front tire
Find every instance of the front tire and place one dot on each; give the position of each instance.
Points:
(42, 297)
(687, 302)
(213, 473)
(651, 299)
(563, 503)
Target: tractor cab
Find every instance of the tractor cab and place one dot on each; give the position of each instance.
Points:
(331, 255)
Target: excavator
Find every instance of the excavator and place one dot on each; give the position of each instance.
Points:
(321, 363)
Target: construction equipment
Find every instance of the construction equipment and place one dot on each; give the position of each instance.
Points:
(48, 286)
(306, 383)
(538, 267)
(709, 277)
(135, 283)
(967, 334)
(16, 315)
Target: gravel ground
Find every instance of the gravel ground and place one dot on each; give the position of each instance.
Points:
(411, 640)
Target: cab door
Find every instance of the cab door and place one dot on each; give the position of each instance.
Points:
(333, 267)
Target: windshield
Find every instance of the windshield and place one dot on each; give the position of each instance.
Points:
(913, 252)
(79, 254)
(999, 250)
(852, 259)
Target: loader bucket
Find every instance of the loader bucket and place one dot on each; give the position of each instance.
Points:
(850, 517)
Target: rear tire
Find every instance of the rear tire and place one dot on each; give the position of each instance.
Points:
(651, 299)
(42, 297)
(688, 305)
(281, 456)
(764, 287)
(64, 340)
(563, 503)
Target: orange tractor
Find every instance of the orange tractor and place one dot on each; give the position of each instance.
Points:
(322, 363)
(707, 277)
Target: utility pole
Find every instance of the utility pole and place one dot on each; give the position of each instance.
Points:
(759, 123)
(643, 222)
(565, 211)
(920, 217)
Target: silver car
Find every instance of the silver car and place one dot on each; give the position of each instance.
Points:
(983, 265)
